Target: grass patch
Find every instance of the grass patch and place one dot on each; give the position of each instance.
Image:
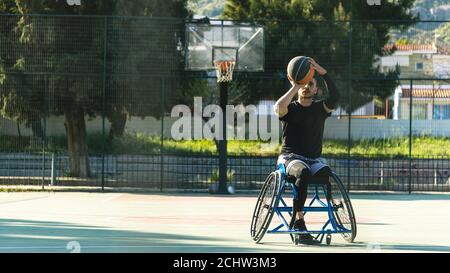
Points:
(140, 144)
(10, 189)
(399, 147)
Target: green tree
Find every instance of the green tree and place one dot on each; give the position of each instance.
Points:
(322, 29)
(140, 53)
(25, 105)
(64, 55)
(443, 33)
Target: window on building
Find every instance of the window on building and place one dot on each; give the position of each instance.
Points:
(419, 66)
(441, 112)
(419, 111)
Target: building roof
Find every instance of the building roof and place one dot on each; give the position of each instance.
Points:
(427, 92)
(411, 47)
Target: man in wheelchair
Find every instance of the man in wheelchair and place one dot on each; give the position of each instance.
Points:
(303, 123)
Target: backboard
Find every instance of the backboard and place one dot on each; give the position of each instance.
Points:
(224, 41)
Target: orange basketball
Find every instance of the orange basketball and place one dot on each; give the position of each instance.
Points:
(300, 70)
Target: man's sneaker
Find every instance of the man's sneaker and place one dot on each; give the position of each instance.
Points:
(307, 239)
(300, 225)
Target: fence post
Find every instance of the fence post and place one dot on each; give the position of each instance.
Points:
(103, 100)
(350, 106)
(44, 133)
(43, 154)
(435, 177)
(161, 150)
(53, 179)
(382, 173)
(410, 134)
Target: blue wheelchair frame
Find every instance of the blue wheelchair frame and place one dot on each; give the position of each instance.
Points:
(331, 226)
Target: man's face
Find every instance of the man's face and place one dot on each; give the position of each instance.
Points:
(308, 90)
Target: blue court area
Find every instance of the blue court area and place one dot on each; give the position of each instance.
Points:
(179, 222)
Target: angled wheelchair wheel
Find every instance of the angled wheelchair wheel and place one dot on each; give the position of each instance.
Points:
(264, 209)
(343, 213)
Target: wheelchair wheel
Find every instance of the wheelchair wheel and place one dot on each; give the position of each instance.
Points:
(344, 214)
(264, 209)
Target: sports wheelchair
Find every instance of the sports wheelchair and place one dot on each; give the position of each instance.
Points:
(328, 196)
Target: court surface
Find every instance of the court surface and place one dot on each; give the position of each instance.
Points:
(179, 222)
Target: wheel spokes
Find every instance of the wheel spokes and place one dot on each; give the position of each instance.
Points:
(342, 210)
(264, 209)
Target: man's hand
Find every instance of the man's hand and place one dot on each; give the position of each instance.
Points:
(317, 67)
(295, 85)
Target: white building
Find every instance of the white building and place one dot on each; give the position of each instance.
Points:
(441, 65)
(429, 102)
(413, 60)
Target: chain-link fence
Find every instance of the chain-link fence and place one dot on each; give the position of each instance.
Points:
(88, 100)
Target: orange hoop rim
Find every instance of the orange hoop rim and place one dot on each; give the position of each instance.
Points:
(220, 63)
(224, 70)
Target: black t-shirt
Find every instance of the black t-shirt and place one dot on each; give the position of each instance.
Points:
(303, 129)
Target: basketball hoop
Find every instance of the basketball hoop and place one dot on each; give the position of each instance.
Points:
(224, 70)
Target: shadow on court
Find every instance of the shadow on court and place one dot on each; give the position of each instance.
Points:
(394, 247)
(43, 236)
(367, 247)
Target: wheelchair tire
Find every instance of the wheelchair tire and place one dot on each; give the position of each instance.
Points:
(264, 209)
(344, 215)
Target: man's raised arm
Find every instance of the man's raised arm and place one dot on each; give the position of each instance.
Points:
(281, 106)
(333, 94)
(330, 103)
